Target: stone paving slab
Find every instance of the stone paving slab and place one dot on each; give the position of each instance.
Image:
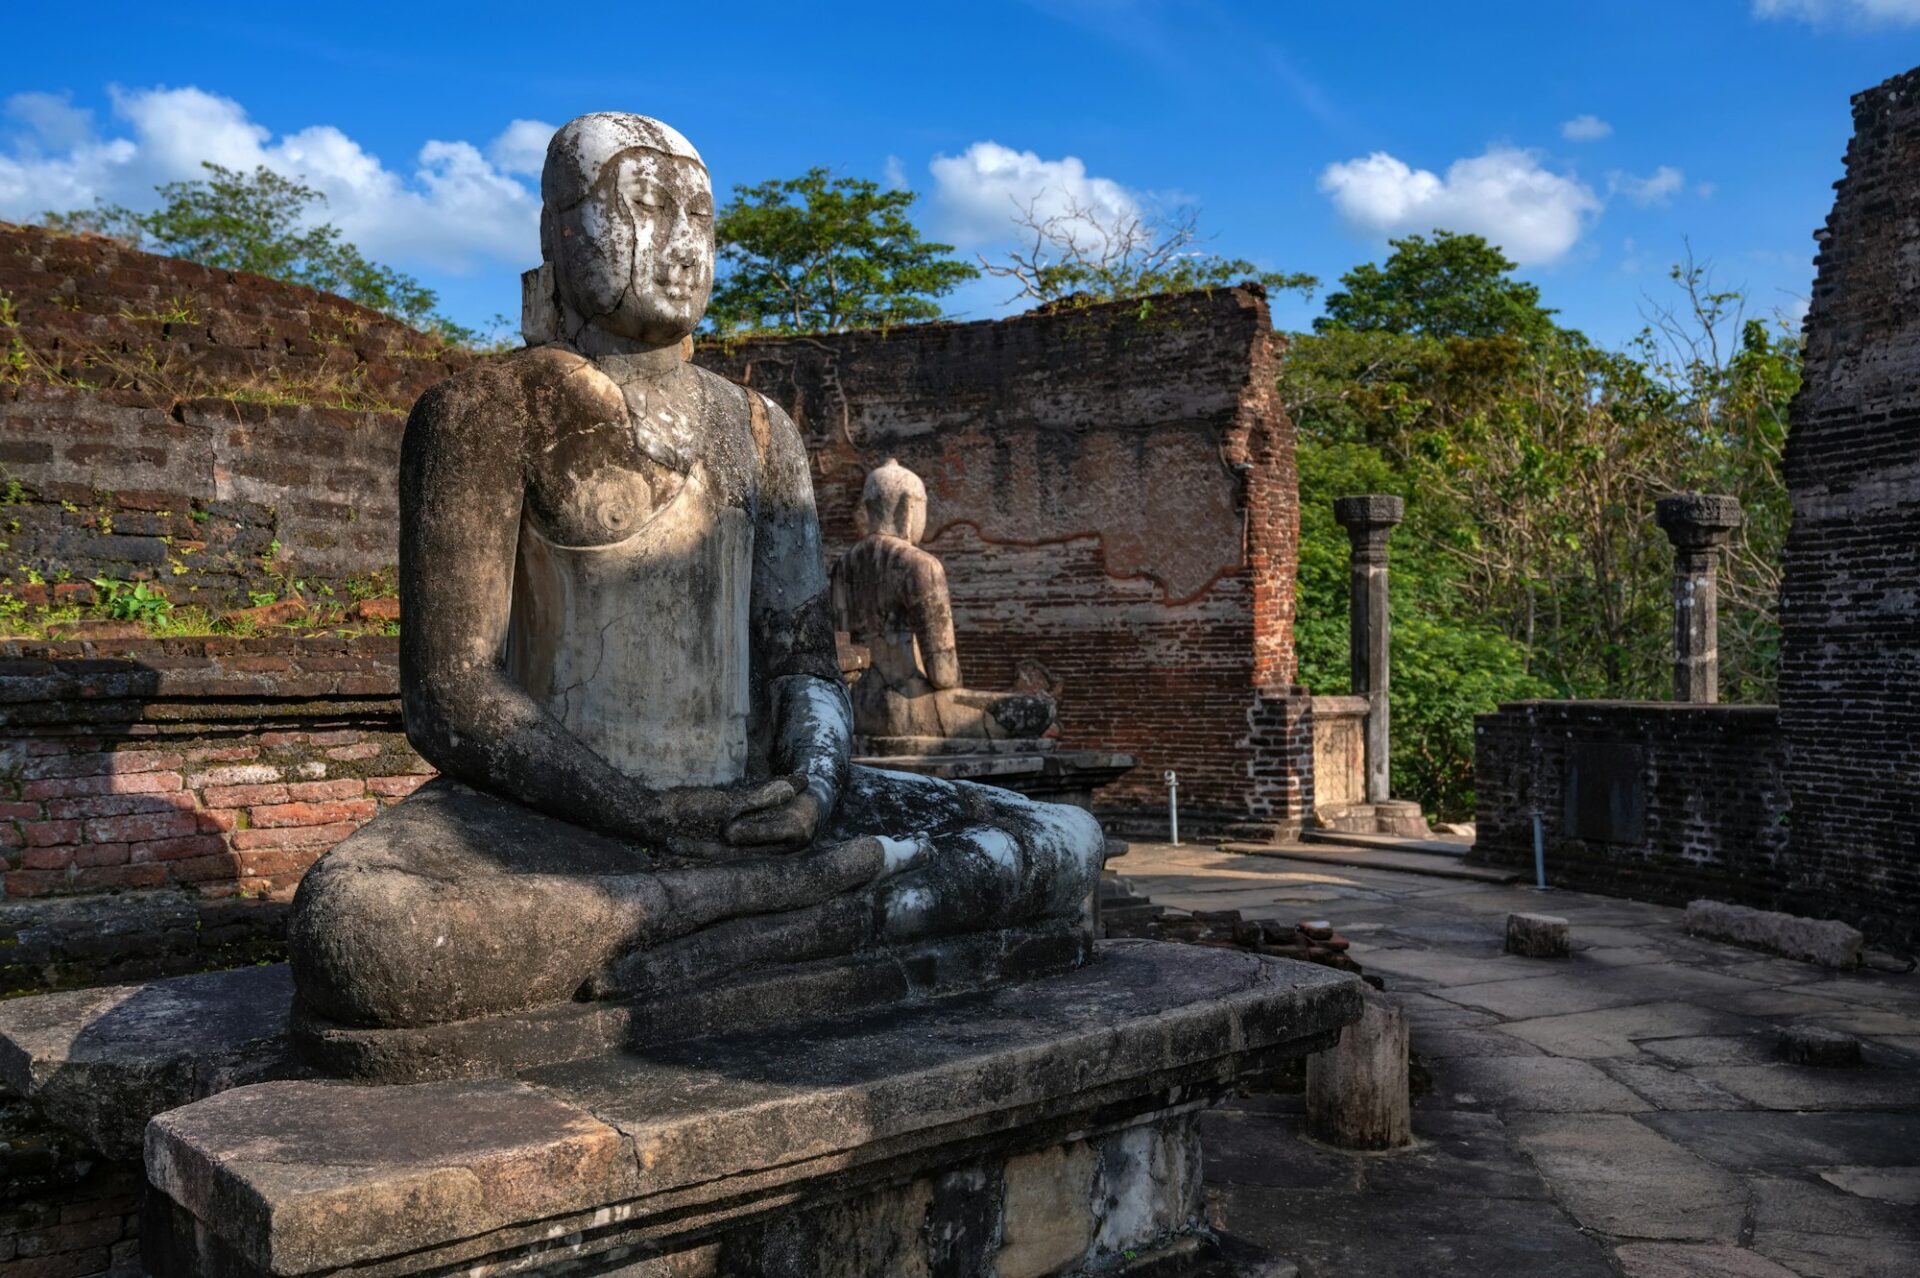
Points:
(1701, 1153)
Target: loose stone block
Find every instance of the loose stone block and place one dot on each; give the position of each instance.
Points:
(1357, 1094)
(1818, 1045)
(1539, 936)
(1825, 941)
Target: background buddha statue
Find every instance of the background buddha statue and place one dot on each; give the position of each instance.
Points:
(620, 656)
(891, 595)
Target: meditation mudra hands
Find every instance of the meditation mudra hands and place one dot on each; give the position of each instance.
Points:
(750, 820)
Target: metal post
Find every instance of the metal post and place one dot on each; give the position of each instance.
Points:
(1172, 779)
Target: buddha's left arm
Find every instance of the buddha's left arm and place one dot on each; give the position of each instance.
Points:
(792, 613)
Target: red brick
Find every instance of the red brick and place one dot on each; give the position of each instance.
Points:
(34, 882)
(20, 812)
(278, 861)
(217, 820)
(241, 774)
(47, 858)
(395, 787)
(305, 836)
(86, 765)
(240, 796)
(276, 816)
(75, 787)
(365, 750)
(111, 805)
(150, 825)
(201, 869)
(116, 876)
(310, 791)
(88, 855)
(178, 849)
(46, 834)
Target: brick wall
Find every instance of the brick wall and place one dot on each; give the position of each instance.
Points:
(205, 430)
(64, 1212)
(1112, 490)
(208, 768)
(1850, 603)
(1657, 801)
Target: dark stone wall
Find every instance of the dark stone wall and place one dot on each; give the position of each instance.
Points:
(1657, 801)
(1850, 604)
(1112, 490)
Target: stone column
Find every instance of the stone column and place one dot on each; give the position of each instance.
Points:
(1698, 525)
(1369, 520)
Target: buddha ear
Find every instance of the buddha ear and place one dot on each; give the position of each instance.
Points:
(539, 306)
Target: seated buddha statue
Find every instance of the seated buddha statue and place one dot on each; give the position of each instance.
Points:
(619, 653)
(890, 595)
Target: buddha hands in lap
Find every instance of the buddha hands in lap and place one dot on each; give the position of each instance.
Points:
(619, 653)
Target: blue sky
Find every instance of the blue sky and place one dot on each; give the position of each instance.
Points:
(1304, 134)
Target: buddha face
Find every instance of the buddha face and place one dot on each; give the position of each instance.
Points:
(632, 249)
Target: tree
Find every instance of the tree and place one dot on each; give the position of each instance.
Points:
(1076, 253)
(814, 254)
(1449, 286)
(262, 222)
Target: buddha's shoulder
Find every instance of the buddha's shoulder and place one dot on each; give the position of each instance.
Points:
(539, 384)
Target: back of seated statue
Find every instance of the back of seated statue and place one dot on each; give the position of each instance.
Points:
(891, 595)
(619, 653)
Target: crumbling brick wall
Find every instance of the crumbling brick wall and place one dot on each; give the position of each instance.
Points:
(1657, 801)
(1112, 491)
(214, 432)
(1850, 603)
(208, 769)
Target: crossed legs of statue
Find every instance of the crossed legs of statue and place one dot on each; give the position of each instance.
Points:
(455, 905)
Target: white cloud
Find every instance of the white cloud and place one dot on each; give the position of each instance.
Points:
(51, 119)
(894, 176)
(521, 147)
(1658, 187)
(978, 193)
(1856, 12)
(1586, 128)
(1506, 195)
(457, 205)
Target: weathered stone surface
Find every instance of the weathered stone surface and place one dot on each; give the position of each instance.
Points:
(619, 636)
(1357, 1094)
(1539, 936)
(100, 1062)
(1620, 1178)
(748, 1117)
(1818, 1045)
(1695, 1260)
(890, 595)
(1046, 1219)
(1824, 941)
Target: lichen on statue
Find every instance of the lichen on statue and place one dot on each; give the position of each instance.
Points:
(890, 595)
(619, 653)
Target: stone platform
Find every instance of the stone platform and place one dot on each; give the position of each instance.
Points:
(1042, 1128)
(1051, 776)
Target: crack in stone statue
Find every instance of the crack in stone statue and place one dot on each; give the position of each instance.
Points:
(891, 596)
(619, 653)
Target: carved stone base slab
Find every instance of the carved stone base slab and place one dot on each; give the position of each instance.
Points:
(1053, 776)
(1033, 1129)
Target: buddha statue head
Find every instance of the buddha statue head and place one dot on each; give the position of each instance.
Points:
(626, 233)
(893, 503)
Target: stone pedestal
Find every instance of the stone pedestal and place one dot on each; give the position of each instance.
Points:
(1043, 1128)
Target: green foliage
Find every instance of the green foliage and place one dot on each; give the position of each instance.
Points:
(132, 601)
(1080, 255)
(1530, 563)
(262, 222)
(822, 254)
(1449, 286)
(1447, 667)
